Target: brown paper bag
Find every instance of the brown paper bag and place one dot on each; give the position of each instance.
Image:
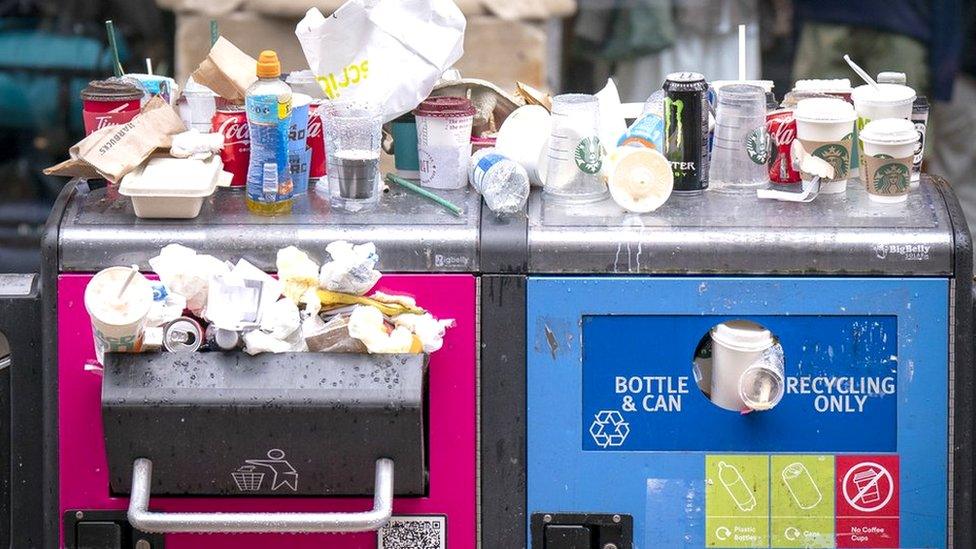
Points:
(114, 151)
(227, 71)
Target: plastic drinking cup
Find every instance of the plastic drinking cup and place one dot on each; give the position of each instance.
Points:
(741, 146)
(825, 129)
(118, 321)
(736, 346)
(575, 151)
(405, 158)
(889, 148)
(353, 135)
(201, 104)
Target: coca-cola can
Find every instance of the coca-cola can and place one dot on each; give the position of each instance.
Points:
(781, 127)
(316, 142)
(236, 154)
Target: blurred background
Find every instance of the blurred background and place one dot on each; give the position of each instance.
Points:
(50, 49)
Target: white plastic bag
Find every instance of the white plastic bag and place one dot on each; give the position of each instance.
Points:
(385, 52)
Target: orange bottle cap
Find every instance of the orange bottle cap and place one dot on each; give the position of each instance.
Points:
(268, 65)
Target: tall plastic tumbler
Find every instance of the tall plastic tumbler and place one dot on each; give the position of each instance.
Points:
(575, 151)
(741, 145)
(353, 135)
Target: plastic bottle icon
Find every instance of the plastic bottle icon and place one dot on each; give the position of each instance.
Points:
(736, 486)
(803, 489)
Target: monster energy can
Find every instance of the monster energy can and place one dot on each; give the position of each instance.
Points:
(686, 130)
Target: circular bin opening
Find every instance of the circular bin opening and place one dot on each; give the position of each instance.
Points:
(738, 365)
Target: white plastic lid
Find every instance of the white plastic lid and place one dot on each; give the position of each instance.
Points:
(824, 109)
(889, 131)
(164, 175)
(834, 85)
(742, 335)
(885, 94)
(641, 179)
(892, 77)
(192, 87)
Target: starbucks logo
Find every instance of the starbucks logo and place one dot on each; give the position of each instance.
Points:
(891, 179)
(759, 146)
(837, 156)
(589, 155)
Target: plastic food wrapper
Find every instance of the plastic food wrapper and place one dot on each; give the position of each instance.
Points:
(196, 145)
(386, 52)
(352, 269)
(368, 325)
(237, 299)
(257, 342)
(332, 336)
(404, 300)
(428, 329)
(334, 300)
(167, 306)
(187, 273)
(297, 272)
(116, 150)
(281, 319)
(310, 299)
(227, 71)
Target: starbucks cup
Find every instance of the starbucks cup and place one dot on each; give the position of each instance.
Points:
(640, 179)
(118, 321)
(889, 149)
(825, 129)
(736, 346)
(524, 137)
(444, 141)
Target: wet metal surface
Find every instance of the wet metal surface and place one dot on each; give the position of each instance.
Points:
(100, 229)
(722, 232)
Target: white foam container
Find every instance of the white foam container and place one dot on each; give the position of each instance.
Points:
(172, 188)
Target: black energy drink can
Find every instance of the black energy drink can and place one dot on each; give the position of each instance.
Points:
(686, 130)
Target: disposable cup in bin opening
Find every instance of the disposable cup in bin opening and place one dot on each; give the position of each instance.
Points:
(741, 146)
(444, 141)
(118, 300)
(575, 152)
(353, 136)
(736, 346)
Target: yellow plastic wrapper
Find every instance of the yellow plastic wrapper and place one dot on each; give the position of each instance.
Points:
(333, 300)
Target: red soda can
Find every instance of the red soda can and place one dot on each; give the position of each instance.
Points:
(782, 130)
(107, 103)
(316, 141)
(236, 154)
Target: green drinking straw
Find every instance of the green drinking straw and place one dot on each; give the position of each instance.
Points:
(453, 208)
(110, 29)
(214, 34)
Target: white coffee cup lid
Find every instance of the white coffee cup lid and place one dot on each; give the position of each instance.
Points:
(824, 109)
(885, 94)
(889, 131)
(742, 335)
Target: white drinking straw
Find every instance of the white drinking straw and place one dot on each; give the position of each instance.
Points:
(128, 280)
(861, 72)
(742, 52)
(148, 66)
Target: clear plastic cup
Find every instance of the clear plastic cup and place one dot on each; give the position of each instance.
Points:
(353, 135)
(575, 152)
(740, 144)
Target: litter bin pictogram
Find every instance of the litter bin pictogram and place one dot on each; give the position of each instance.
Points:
(247, 479)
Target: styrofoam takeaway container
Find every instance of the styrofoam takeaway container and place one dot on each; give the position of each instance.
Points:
(172, 188)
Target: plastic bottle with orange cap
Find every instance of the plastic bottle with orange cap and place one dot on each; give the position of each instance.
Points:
(268, 106)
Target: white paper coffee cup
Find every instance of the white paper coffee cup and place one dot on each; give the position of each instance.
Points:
(444, 141)
(524, 137)
(889, 149)
(885, 101)
(736, 345)
(118, 322)
(825, 128)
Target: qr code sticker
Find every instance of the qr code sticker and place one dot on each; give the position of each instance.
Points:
(426, 532)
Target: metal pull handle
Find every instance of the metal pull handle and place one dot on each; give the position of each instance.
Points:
(154, 522)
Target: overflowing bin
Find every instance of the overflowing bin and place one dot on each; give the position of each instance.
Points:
(354, 450)
(731, 373)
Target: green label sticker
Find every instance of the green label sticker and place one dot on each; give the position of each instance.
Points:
(589, 155)
(802, 501)
(837, 155)
(736, 501)
(759, 146)
(891, 178)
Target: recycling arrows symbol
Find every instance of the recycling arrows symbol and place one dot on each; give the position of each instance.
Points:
(609, 430)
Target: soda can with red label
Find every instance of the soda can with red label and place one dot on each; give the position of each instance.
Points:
(316, 142)
(236, 154)
(781, 127)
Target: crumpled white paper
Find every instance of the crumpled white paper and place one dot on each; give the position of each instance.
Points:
(187, 273)
(196, 145)
(428, 329)
(367, 325)
(297, 272)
